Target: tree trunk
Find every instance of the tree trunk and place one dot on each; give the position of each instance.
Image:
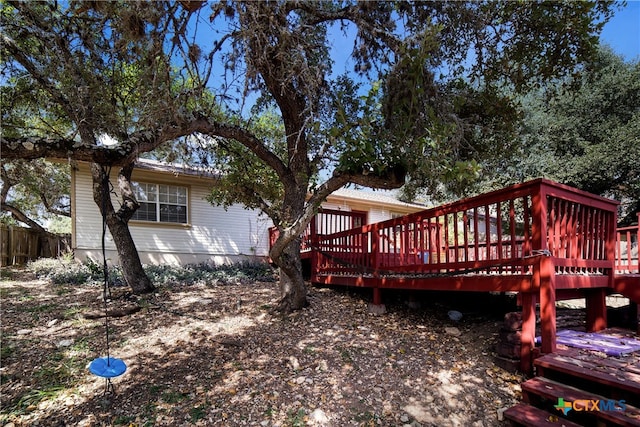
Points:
(132, 269)
(118, 224)
(293, 292)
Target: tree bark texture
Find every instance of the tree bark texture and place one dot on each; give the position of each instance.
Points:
(117, 222)
(293, 292)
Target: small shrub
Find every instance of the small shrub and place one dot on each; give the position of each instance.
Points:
(199, 412)
(210, 274)
(60, 271)
(66, 271)
(296, 418)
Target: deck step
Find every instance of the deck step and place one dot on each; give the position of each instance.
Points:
(592, 376)
(541, 391)
(529, 416)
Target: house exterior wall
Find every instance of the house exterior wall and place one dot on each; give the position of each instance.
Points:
(212, 234)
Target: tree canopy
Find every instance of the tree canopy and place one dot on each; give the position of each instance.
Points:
(420, 91)
(582, 131)
(35, 192)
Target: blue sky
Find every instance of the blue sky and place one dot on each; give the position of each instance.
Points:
(622, 32)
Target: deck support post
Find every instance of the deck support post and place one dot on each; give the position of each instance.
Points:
(596, 303)
(376, 306)
(548, 305)
(544, 271)
(527, 340)
(377, 296)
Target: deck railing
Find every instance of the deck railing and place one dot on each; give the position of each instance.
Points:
(326, 221)
(627, 249)
(502, 232)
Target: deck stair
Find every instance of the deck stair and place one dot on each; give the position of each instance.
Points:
(580, 379)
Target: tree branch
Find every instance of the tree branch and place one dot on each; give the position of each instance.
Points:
(251, 142)
(20, 216)
(52, 209)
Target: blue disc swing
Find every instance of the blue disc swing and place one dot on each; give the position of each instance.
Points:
(106, 367)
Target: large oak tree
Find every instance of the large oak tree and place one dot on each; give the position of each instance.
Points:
(76, 72)
(422, 90)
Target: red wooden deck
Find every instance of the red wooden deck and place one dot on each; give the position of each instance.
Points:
(544, 240)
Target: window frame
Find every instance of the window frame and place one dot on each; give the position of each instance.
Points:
(158, 204)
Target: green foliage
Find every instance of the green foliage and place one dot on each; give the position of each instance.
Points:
(174, 396)
(210, 274)
(296, 418)
(404, 112)
(243, 177)
(198, 412)
(40, 190)
(422, 103)
(60, 225)
(68, 271)
(107, 57)
(60, 371)
(60, 271)
(585, 132)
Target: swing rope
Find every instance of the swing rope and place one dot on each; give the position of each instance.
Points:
(106, 367)
(106, 290)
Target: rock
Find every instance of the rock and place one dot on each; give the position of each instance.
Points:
(23, 332)
(322, 366)
(295, 364)
(404, 418)
(452, 330)
(508, 350)
(300, 380)
(512, 321)
(511, 337)
(318, 417)
(377, 309)
(501, 412)
(64, 343)
(51, 323)
(414, 305)
(454, 315)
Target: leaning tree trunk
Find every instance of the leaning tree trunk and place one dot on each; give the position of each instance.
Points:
(118, 224)
(132, 270)
(293, 292)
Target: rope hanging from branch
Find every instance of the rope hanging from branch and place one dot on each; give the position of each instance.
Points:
(106, 367)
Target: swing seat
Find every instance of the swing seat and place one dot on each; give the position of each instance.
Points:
(107, 367)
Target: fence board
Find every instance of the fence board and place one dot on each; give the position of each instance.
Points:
(20, 245)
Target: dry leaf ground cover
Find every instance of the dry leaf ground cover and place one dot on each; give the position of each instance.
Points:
(208, 352)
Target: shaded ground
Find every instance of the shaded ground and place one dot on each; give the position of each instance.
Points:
(212, 355)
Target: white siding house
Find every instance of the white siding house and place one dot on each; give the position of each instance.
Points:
(177, 225)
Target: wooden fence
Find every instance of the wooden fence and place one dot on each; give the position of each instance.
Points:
(20, 245)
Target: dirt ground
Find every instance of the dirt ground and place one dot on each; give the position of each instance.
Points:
(212, 355)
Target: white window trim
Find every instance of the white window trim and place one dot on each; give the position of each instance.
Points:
(158, 203)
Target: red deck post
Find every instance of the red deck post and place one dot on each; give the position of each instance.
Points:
(375, 261)
(596, 298)
(548, 304)
(544, 269)
(377, 296)
(314, 242)
(528, 300)
(596, 309)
